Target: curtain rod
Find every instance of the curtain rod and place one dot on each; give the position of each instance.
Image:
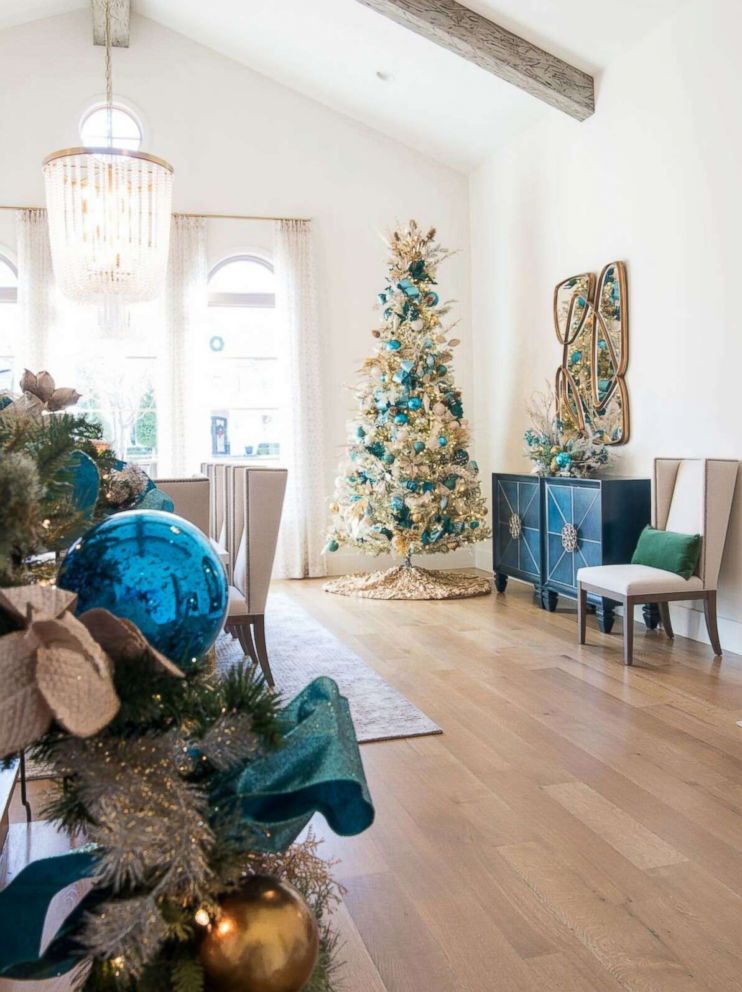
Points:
(179, 213)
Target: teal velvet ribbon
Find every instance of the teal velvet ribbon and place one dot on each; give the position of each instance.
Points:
(318, 769)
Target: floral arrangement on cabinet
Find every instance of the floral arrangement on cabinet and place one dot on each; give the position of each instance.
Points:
(556, 449)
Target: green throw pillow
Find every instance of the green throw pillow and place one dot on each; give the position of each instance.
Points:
(667, 550)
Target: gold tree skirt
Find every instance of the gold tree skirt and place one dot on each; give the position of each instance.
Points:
(410, 582)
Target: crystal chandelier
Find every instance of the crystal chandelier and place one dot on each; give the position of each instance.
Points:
(109, 216)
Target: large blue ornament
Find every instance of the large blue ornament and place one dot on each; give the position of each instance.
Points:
(157, 570)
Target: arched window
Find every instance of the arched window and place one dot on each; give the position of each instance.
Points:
(8, 320)
(243, 358)
(126, 129)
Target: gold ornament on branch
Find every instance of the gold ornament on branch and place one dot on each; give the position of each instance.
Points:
(265, 939)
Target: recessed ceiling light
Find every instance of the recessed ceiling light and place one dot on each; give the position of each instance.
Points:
(385, 77)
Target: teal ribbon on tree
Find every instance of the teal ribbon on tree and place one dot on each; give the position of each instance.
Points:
(317, 770)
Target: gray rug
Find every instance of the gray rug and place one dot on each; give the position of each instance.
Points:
(301, 649)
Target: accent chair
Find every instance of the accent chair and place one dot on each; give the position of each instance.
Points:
(689, 496)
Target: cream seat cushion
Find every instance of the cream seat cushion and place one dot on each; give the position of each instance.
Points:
(637, 580)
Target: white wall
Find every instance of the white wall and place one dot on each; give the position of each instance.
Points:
(654, 179)
(241, 144)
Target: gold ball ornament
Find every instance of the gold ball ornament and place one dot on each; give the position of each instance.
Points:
(265, 940)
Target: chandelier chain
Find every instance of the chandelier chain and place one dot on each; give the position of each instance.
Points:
(109, 74)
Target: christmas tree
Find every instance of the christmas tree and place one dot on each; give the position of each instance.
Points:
(409, 485)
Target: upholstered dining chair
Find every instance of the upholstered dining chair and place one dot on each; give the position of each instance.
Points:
(191, 499)
(254, 505)
(689, 496)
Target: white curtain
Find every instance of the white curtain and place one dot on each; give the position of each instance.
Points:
(301, 538)
(35, 288)
(183, 425)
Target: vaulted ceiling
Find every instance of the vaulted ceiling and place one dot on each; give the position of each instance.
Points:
(373, 70)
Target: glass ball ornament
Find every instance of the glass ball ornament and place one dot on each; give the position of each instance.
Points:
(264, 940)
(157, 570)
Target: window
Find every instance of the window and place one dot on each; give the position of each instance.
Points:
(240, 351)
(126, 130)
(8, 321)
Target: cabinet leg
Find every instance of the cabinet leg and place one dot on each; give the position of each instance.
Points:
(606, 614)
(501, 581)
(651, 612)
(549, 600)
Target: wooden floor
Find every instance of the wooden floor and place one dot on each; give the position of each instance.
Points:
(576, 828)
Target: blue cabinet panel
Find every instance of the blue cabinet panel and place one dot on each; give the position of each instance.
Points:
(546, 529)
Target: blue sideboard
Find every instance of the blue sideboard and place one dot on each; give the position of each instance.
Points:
(545, 529)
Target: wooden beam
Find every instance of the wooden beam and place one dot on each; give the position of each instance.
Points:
(506, 55)
(120, 13)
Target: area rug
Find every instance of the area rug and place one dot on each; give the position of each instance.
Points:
(301, 649)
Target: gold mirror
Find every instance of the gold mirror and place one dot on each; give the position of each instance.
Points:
(591, 322)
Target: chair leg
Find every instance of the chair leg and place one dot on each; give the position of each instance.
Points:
(709, 609)
(628, 632)
(582, 613)
(244, 635)
(259, 624)
(665, 619)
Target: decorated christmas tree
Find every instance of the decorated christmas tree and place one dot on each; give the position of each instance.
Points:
(409, 484)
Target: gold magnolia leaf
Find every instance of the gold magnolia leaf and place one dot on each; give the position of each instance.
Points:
(24, 713)
(124, 642)
(73, 674)
(36, 602)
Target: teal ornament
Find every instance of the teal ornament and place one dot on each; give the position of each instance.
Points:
(400, 418)
(564, 459)
(332, 545)
(442, 369)
(418, 446)
(425, 538)
(85, 482)
(393, 345)
(397, 503)
(474, 524)
(360, 432)
(575, 357)
(408, 288)
(428, 487)
(387, 458)
(381, 297)
(457, 410)
(5, 400)
(157, 570)
(460, 456)
(417, 269)
(431, 298)
(442, 441)
(415, 403)
(376, 449)
(450, 481)
(411, 485)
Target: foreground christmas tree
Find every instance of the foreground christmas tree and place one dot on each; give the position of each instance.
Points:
(409, 485)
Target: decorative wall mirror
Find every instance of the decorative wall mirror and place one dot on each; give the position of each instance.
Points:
(591, 320)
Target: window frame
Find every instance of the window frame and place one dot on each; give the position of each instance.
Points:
(264, 300)
(124, 107)
(252, 301)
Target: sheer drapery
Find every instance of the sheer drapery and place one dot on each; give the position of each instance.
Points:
(183, 424)
(301, 537)
(35, 288)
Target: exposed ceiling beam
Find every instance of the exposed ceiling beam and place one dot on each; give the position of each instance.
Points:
(120, 11)
(486, 44)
